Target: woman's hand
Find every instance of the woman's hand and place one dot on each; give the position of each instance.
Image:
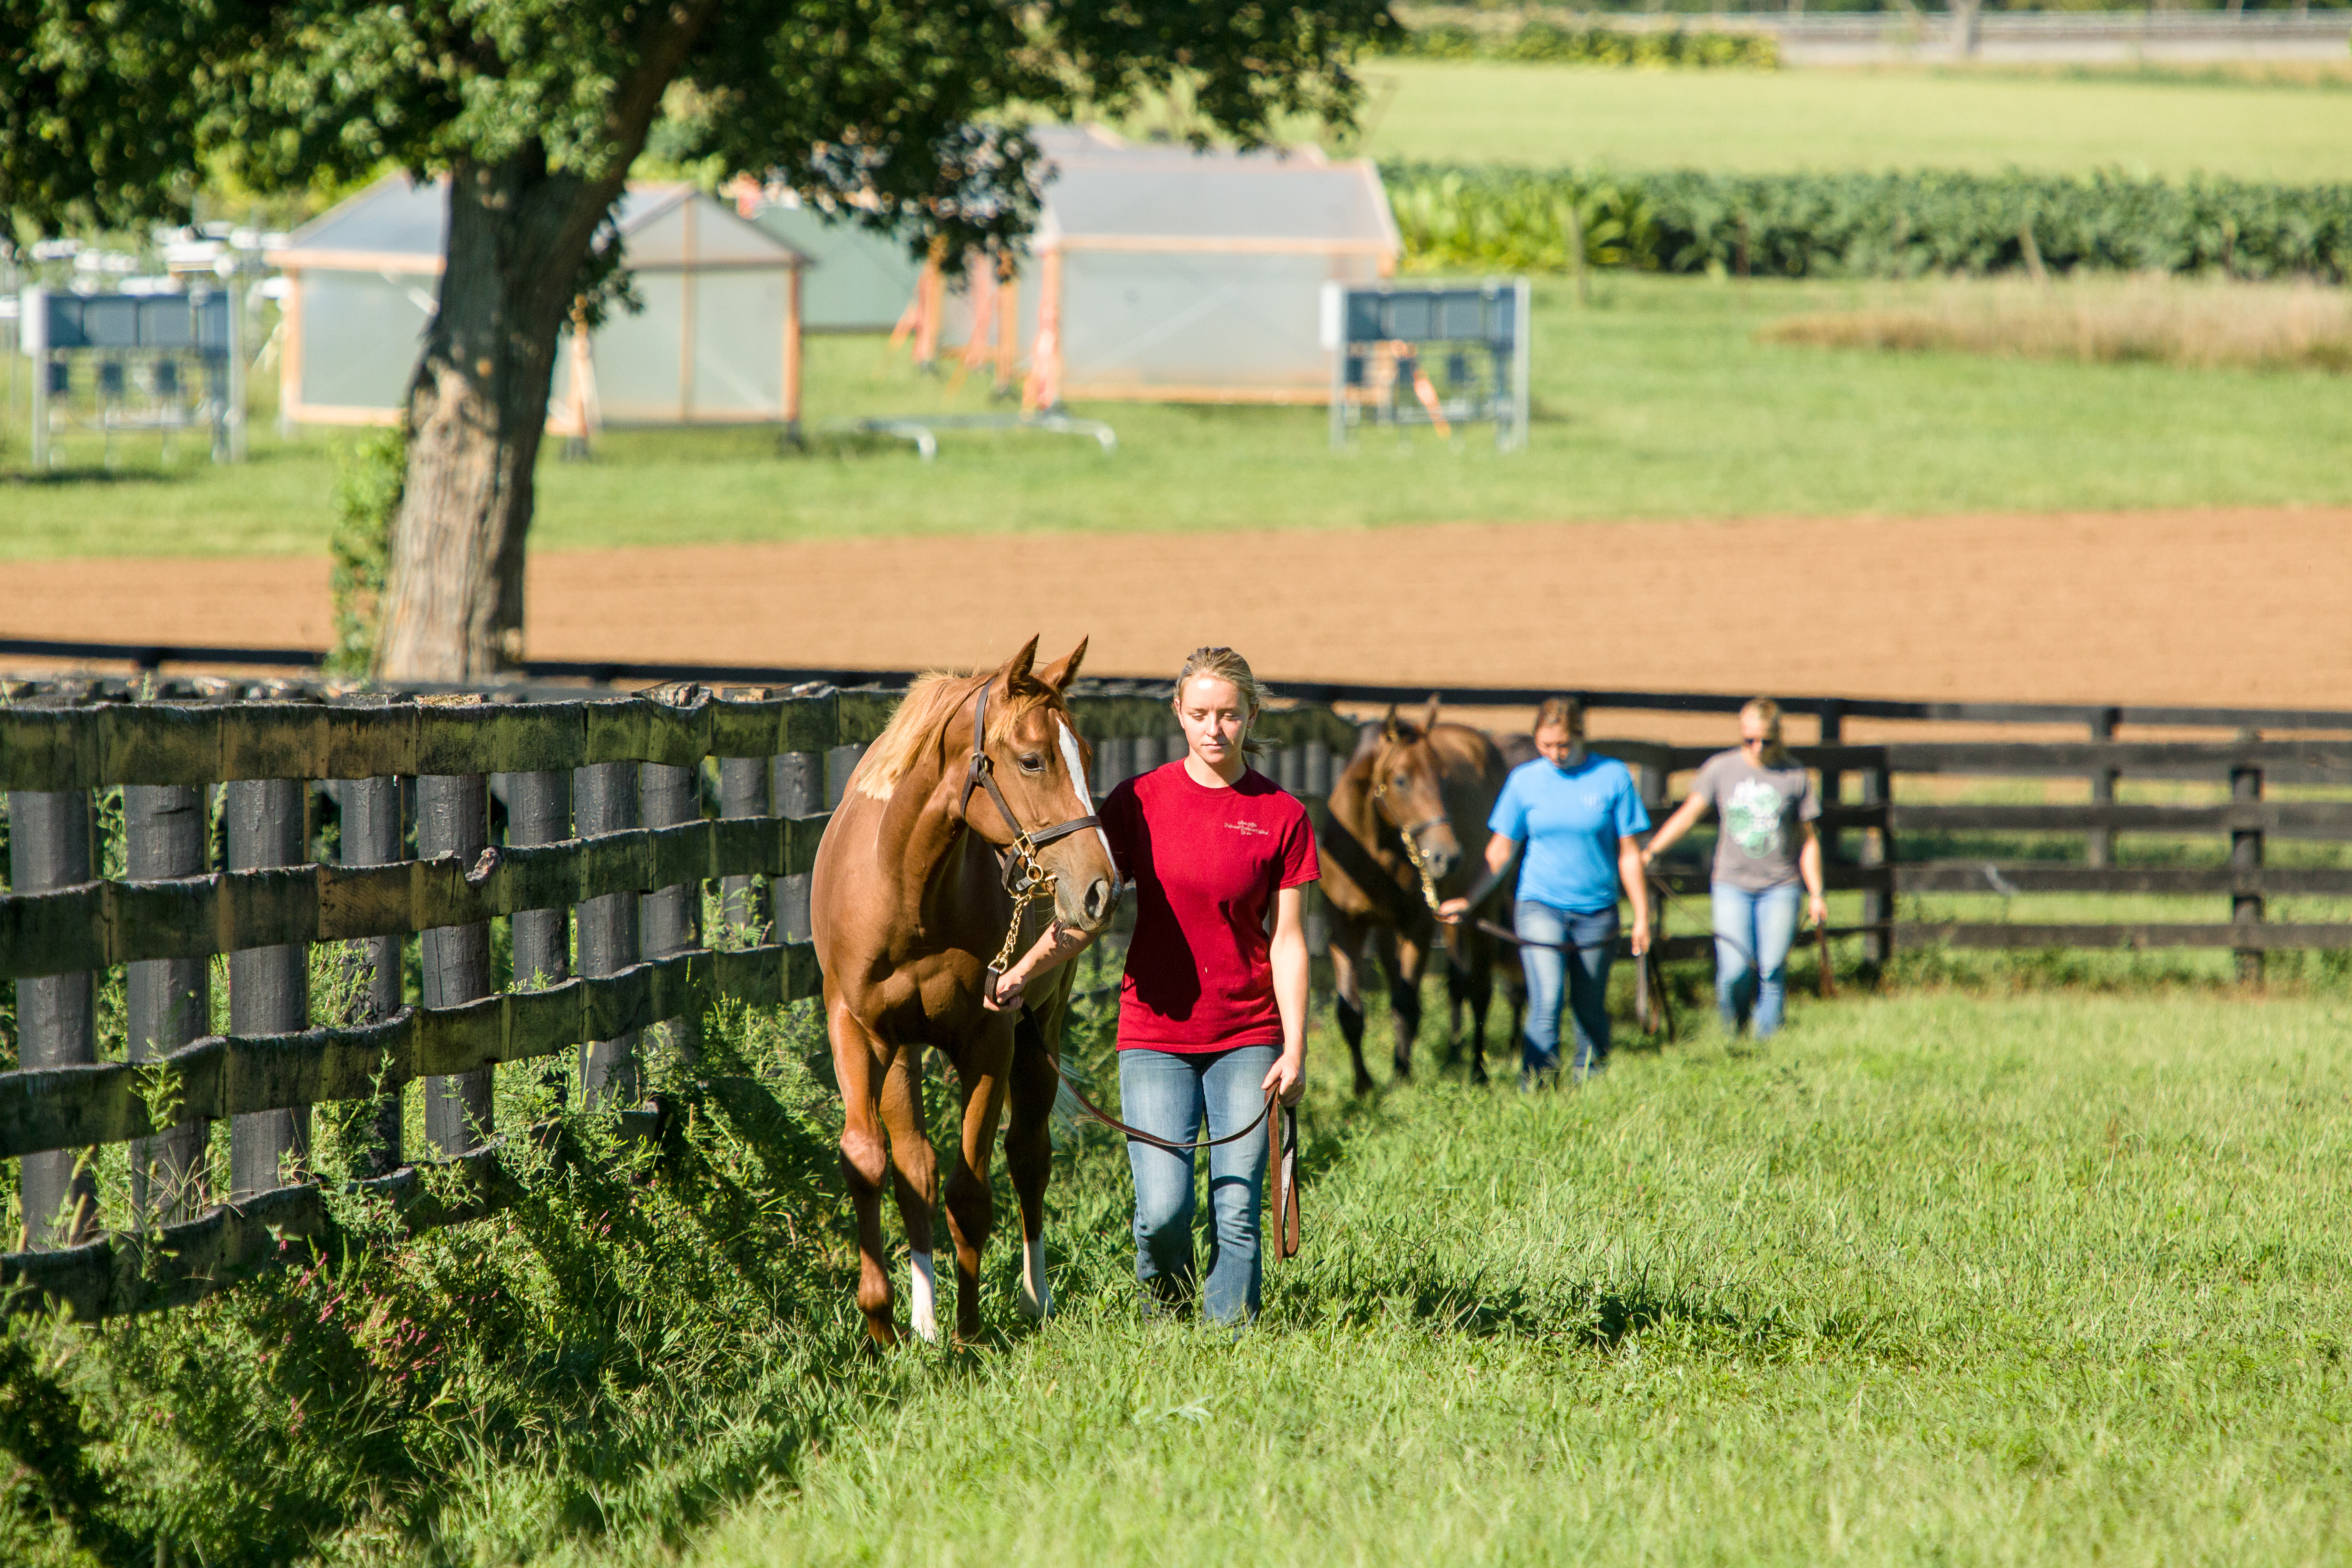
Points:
(1288, 1075)
(1004, 992)
(1819, 908)
(1452, 910)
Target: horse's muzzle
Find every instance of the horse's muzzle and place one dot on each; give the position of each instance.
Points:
(1095, 905)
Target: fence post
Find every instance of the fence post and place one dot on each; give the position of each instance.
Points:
(1319, 767)
(2102, 848)
(167, 1001)
(49, 835)
(839, 763)
(453, 817)
(1832, 733)
(742, 793)
(2246, 866)
(538, 811)
(1878, 850)
(671, 920)
(1290, 769)
(371, 836)
(268, 987)
(796, 785)
(605, 800)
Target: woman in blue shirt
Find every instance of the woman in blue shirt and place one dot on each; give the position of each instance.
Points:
(1576, 815)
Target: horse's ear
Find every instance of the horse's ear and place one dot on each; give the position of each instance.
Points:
(1388, 723)
(1060, 674)
(1429, 719)
(1016, 669)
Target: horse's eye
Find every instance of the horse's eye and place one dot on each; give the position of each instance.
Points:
(1402, 781)
(1031, 762)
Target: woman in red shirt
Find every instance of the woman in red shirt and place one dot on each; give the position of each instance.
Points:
(1212, 1013)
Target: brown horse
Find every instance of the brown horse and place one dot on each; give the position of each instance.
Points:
(976, 782)
(1430, 785)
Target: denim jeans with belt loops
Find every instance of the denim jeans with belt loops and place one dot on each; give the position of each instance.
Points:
(1753, 933)
(1583, 974)
(1168, 1094)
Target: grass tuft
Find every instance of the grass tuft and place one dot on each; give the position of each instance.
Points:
(2201, 324)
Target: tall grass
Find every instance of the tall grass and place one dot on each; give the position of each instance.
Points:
(1938, 1277)
(1931, 1280)
(2201, 323)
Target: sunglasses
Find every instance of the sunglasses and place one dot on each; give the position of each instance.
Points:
(1751, 739)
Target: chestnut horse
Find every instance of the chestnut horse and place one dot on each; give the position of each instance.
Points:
(976, 785)
(1429, 786)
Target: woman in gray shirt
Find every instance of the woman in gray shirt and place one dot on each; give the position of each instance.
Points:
(1766, 848)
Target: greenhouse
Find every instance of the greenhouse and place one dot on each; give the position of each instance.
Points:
(717, 342)
(1161, 273)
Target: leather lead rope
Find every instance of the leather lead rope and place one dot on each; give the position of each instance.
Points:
(1281, 1157)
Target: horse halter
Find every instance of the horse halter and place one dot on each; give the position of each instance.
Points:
(1025, 878)
(1411, 835)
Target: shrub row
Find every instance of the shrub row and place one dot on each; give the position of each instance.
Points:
(1595, 46)
(1869, 225)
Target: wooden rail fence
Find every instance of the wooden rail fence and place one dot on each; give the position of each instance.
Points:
(615, 811)
(1884, 868)
(592, 826)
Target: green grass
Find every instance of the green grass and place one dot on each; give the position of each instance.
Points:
(1929, 1280)
(1656, 401)
(1937, 1277)
(1889, 119)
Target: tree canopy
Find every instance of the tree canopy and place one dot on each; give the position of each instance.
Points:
(904, 114)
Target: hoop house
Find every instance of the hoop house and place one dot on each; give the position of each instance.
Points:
(1158, 273)
(718, 341)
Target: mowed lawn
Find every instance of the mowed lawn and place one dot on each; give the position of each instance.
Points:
(1943, 1278)
(1655, 401)
(1905, 118)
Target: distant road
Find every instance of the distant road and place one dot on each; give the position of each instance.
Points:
(2078, 38)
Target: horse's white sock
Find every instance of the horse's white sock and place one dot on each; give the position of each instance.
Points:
(922, 1296)
(1036, 1294)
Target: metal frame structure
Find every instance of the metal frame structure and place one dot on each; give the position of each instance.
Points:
(202, 327)
(1383, 336)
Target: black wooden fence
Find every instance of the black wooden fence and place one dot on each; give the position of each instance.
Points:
(615, 813)
(1880, 867)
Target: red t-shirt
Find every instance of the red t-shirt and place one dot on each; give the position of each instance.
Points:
(1205, 865)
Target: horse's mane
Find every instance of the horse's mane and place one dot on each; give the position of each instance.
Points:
(934, 700)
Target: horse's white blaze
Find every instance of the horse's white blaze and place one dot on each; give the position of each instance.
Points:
(1076, 762)
(1036, 1295)
(925, 1294)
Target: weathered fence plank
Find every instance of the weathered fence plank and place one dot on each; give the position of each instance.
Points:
(167, 1001)
(454, 962)
(242, 1075)
(605, 801)
(268, 986)
(49, 845)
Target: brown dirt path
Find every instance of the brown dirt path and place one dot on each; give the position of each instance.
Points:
(2239, 606)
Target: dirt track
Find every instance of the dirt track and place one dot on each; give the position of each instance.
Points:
(2215, 606)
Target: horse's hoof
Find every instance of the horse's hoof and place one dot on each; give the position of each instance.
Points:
(881, 1332)
(1478, 1074)
(1364, 1084)
(1404, 1070)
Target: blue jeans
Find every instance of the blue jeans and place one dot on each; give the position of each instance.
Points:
(1549, 969)
(1168, 1094)
(1753, 933)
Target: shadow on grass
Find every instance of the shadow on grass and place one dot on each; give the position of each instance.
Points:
(1402, 1282)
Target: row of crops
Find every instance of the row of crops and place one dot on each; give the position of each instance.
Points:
(1552, 44)
(1867, 224)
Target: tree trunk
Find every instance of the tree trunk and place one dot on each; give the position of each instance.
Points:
(453, 600)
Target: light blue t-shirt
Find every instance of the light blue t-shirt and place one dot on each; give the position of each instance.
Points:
(1571, 820)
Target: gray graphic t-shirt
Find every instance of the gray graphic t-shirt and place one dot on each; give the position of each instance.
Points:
(1759, 809)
